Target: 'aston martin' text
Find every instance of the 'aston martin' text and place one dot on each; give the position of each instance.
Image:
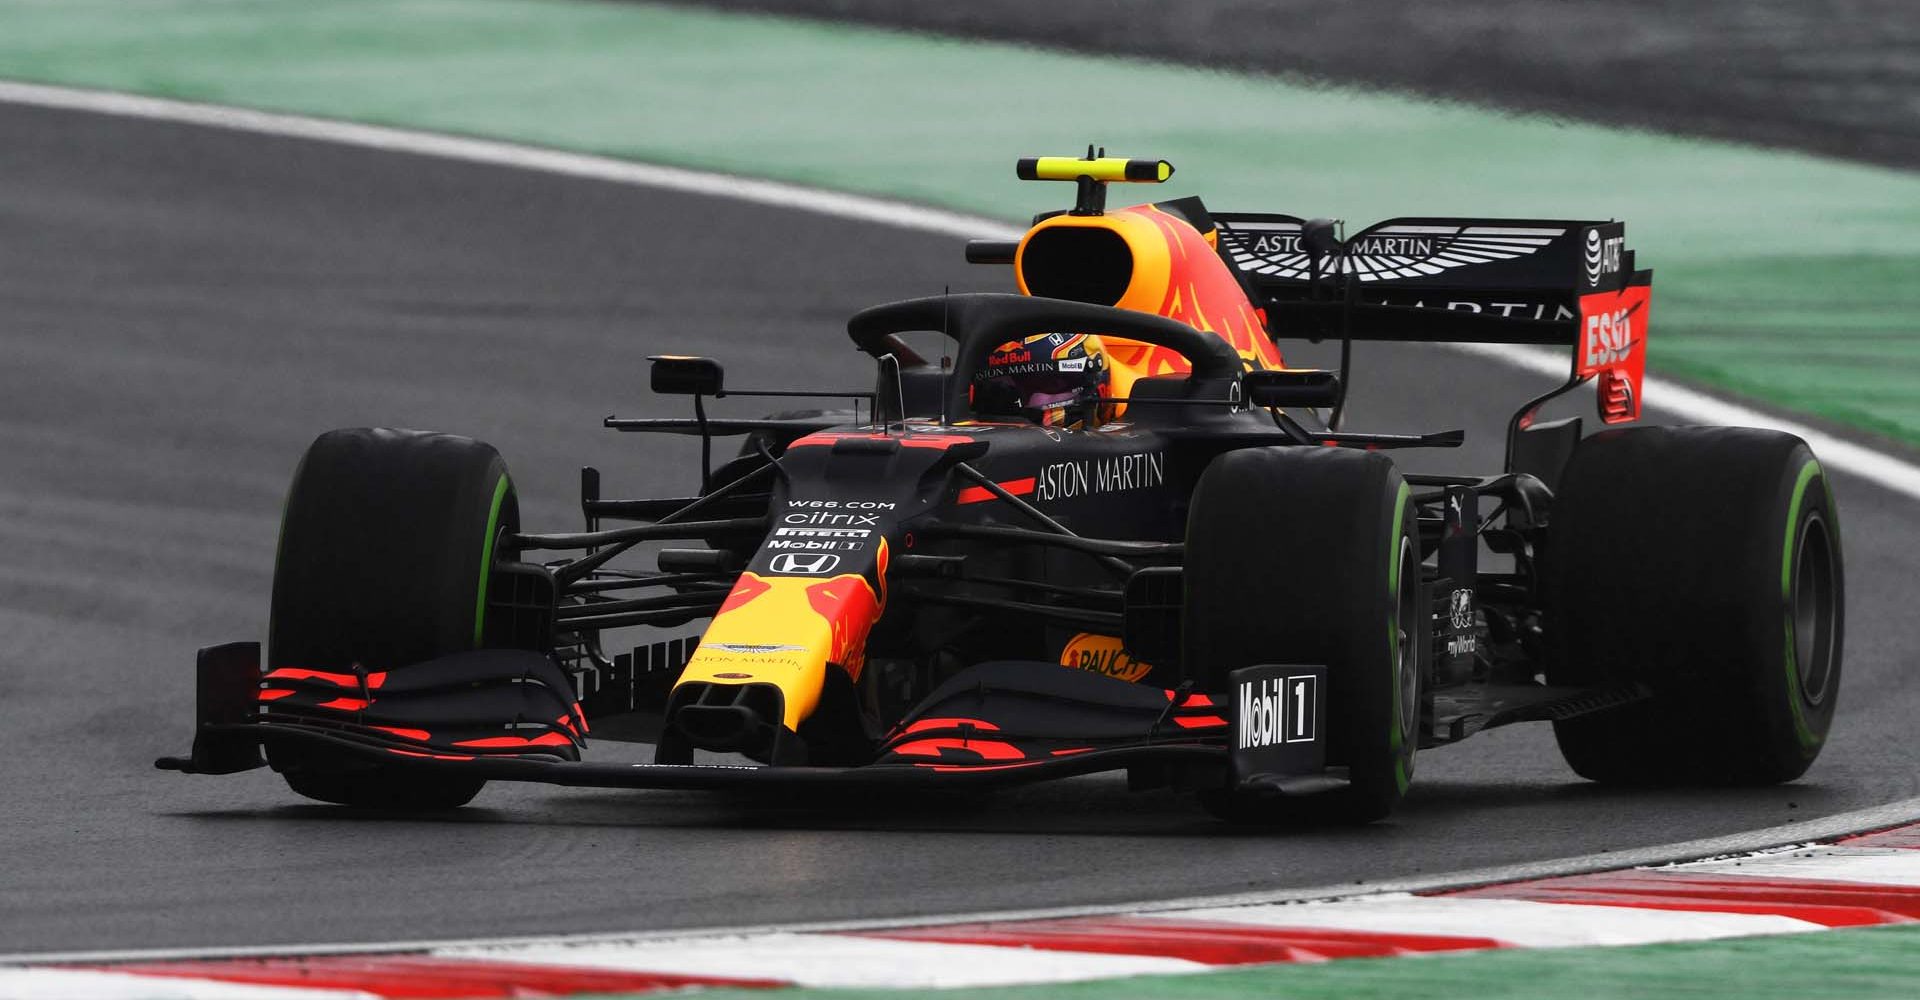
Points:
(1093, 476)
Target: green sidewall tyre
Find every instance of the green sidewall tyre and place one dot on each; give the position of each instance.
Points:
(385, 557)
(1311, 556)
(1705, 564)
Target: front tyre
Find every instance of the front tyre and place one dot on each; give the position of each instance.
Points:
(385, 553)
(1310, 556)
(1703, 563)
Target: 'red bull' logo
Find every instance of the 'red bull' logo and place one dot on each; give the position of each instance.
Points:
(1102, 654)
(1017, 356)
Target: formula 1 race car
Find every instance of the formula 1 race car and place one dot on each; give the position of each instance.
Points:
(1108, 529)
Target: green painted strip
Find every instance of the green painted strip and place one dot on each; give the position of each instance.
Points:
(1781, 275)
(1854, 964)
(486, 563)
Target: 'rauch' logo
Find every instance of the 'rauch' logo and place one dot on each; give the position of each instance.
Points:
(1102, 654)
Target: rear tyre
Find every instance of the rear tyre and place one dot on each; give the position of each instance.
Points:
(385, 553)
(1703, 562)
(1309, 555)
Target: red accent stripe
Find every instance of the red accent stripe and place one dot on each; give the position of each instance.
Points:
(409, 734)
(1198, 721)
(1833, 904)
(909, 440)
(344, 704)
(987, 749)
(980, 494)
(1209, 942)
(274, 694)
(425, 976)
(516, 742)
(374, 680)
(1904, 837)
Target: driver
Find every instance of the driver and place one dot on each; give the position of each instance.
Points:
(1052, 379)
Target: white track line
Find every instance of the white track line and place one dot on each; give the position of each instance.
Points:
(1865, 865)
(1516, 922)
(831, 960)
(1689, 404)
(87, 984)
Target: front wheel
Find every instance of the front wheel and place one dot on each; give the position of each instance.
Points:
(1310, 556)
(385, 554)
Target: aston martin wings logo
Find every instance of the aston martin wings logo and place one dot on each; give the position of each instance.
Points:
(1272, 249)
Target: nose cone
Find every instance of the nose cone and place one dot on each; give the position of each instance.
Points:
(787, 631)
(734, 718)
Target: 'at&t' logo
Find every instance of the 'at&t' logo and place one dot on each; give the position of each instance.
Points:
(1602, 256)
(1102, 654)
(1609, 338)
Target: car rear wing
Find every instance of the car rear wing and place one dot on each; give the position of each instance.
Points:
(1444, 280)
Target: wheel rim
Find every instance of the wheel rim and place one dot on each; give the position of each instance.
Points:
(1405, 658)
(1813, 609)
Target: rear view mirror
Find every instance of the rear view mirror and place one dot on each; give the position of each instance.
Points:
(992, 251)
(680, 376)
(1299, 387)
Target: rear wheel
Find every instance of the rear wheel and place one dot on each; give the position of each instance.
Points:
(386, 548)
(1704, 563)
(1309, 556)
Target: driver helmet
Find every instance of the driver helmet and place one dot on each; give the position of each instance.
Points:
(1052, 379)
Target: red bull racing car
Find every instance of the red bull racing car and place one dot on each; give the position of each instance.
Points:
(1103, 527)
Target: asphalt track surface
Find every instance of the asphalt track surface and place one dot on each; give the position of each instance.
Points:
(1831, 76)
(182, 310)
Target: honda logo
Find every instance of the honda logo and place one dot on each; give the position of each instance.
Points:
(803, 563)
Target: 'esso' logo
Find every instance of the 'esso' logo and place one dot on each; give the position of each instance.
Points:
(1609, 338)
(1102, 654)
